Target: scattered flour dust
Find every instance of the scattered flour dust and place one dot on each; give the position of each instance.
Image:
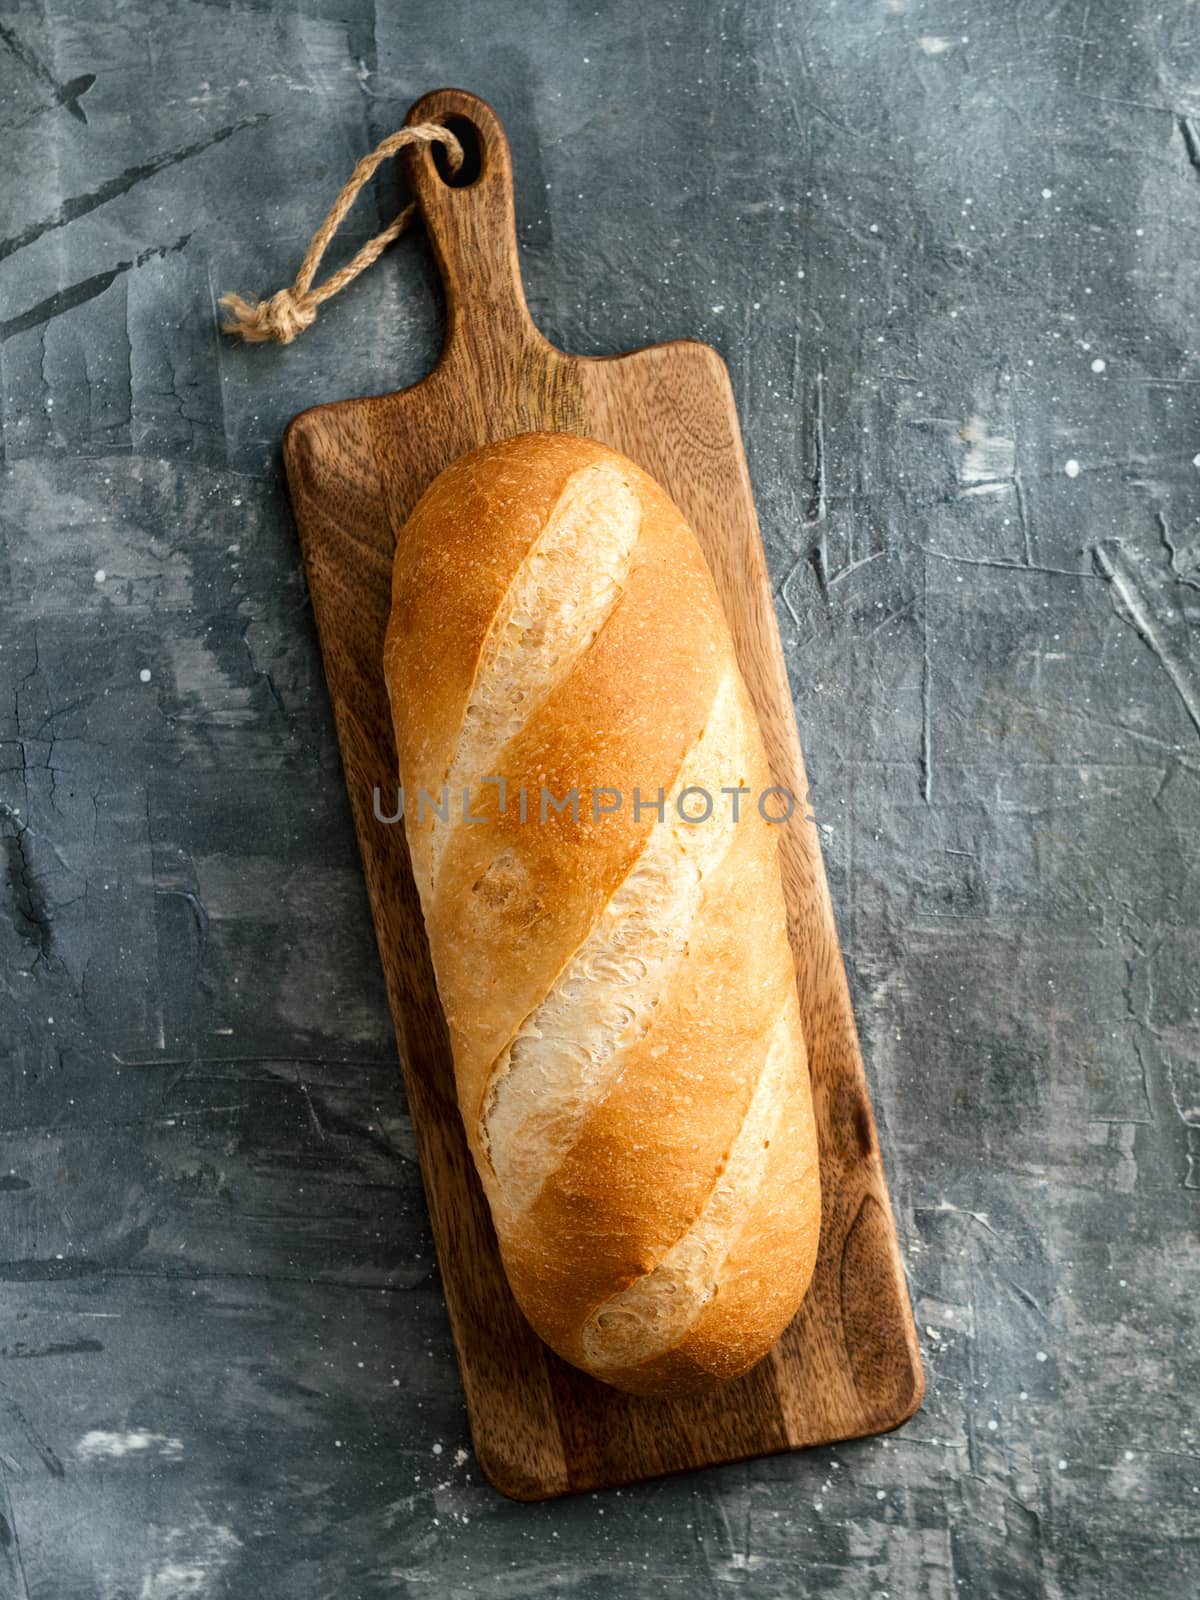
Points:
(933, 44)
(187, 1563)
(101, 1446)
(991, 456)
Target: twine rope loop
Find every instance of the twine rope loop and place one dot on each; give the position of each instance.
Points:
(289, 311)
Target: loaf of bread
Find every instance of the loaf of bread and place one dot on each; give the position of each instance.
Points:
(616, 973)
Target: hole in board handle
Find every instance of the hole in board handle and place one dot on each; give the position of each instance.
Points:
(467, 135)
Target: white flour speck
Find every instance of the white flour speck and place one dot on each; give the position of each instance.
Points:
(933, 44)
(1099, 364)
(1072, 468)
(1047, 194)
(144, 674)
(991, 457)
(99, 575)
(98, 1445)
(437, 1449)
(187, 1561)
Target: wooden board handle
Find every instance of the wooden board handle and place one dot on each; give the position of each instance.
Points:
(472, 229)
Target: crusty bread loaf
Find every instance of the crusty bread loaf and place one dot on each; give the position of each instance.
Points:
(619, 989)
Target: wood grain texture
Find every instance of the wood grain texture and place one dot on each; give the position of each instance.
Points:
(849, 1364)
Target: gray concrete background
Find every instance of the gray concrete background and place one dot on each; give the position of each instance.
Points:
(951, 252)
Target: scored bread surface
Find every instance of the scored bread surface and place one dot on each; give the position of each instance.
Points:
(619, 989)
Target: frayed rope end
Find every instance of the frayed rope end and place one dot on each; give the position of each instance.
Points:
(281, 317)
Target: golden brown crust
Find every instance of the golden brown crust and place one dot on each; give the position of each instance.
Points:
(508, 905)
(765, 1276)
(563, 872)
(456, 558)
(648, 1163)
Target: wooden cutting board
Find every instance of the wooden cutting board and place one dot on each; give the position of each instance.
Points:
(849, 1363)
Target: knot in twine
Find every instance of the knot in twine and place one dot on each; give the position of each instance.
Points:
(289, 311)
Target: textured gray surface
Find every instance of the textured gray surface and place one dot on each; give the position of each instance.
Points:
(915, 231)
